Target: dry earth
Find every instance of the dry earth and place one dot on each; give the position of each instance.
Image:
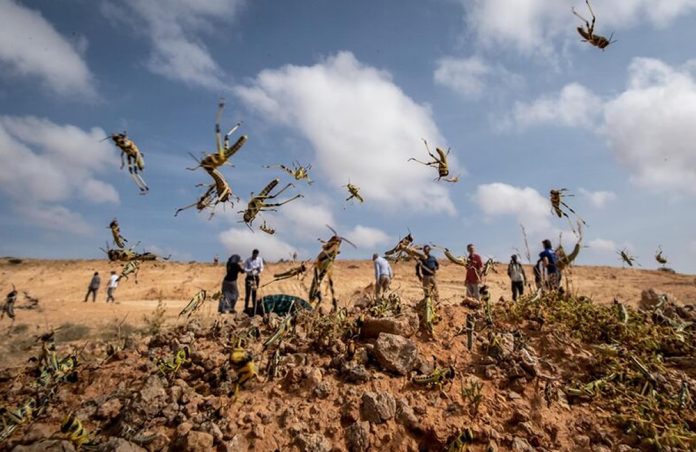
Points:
(315, 406)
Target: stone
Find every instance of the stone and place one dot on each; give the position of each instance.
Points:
(49, 445)
(197, 442)
(38, 432)
(405, 325)
(582, 441)
(152, 390)
(396, 353)
(406, 416)
(377, 407)
(355, 373)
(120, 445)
(521, 444)
(358, 437)
(109, 409)
(314, 442)
(650, 298)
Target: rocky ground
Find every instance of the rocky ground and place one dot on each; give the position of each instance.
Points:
(545, 373)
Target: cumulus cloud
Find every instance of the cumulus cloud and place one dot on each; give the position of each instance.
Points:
(243, 241)
(573, 106)
(46, 163)
(526, 204)
(602, 245)
(536, 26)
(175, 28)
(469, 77)
(366, 237)
(598, 198)
(31, 46)
(650, 126)
(361, 125)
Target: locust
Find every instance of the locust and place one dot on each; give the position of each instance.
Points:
(354, 192)
(273, 367)
(565, 260)
(489, 266)
(204, 202)
(172, 365)
(297, 171)
(283, 328)
(626, 257)
(243, 363)
(438, 377)
(74, 430)
(427, 314)
(210, 162)
(462, 260)
(131, 153)
(258, 203)
(119, 240)
(591, 389)
(587, 32)
(439, 161)
(298, 271)
(460, 441)
(659, 257)
(470, 329)
(130, 267)
(267, 229)
(194, 304)
(13, 419)
(323, 267)
(557, 204)
(404, 242)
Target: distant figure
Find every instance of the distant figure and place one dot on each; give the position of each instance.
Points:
(294, 256)
(111, 288)
(539, 274)
(216, 260)
(94, 284)
(230, 292)
(253, 267)
(383, 275)
(550, 262)
(474, 267)
(425, 271)
(8, 307)
(517, 277)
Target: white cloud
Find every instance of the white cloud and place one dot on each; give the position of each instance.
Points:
(31, 46)
(306, 218)
(537, 26)
(361, 126)
(46, 163)
(366, 237)
(598, 198)
(243, 241)
(175, 28)
(602, 245)
(651, 126)
(526, 204)
(573, 106)
(470, 76)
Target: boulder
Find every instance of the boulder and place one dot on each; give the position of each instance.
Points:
(358, 437)
(404, 325)
(197, 442)
(314, 442)
(377, 407)
(396, 353)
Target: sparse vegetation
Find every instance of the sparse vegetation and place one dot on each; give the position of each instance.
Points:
(155, 321)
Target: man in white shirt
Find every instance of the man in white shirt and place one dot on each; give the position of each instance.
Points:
(253, 267)
(383, 275)
(113, 284)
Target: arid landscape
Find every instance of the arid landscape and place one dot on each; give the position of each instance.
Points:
(339, 386)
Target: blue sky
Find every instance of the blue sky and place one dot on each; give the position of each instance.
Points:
(350, 87)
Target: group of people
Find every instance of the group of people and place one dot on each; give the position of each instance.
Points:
(94, 284)
(252, 268)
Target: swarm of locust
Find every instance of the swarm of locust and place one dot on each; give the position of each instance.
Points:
(326, 331)
(388, 306)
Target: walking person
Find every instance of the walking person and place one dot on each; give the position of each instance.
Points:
(474, 267)
(383, 275)
(425, 271)
(230, 292)
(253, 267)
(94, 284)
(111, 288)
(517, 277)
(8, 307)
(550, 263)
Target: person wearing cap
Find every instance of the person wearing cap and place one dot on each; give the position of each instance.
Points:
(426, 270)
(383, 275)
(517, 277)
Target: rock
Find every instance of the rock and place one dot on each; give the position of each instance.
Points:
(396, 353)
(405, 325)
(183, 429)
(521, 444)
(492, 446)
(38, 432)
(152, 390)
(358, 437)
(49, 445)
(377, 407)
(197, 442)
(406, 416)
(649, 299)
(582, 441)
(312, 443)
(119, 445)
(355, 373)
(109, 409)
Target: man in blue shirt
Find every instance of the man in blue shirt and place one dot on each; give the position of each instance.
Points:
(550, 263)
(425, 270)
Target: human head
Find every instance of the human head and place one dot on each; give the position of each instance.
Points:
(470, 248)
(426, 249)
(547, 244)
(96, 273)
(113, 272)
(254, 253)
(374, 256)
(514, 258)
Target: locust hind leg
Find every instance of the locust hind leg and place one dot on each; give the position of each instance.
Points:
(334, 301)
(133, 170)
(282, 203)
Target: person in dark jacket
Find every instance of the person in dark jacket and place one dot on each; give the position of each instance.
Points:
(550, 263)
(425, 271)
(94, 284)
(230, 292)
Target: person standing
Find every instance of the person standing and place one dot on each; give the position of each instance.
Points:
(230, 292)
(425, 271)
(517, 277)
(8, 307)
(550, 263)
(111, 288)
(474, 267)
(383, 275)
(253, 267)
(94, 284)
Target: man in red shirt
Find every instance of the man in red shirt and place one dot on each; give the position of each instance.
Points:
(473, 273)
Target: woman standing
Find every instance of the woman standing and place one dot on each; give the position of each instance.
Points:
(230, 292)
